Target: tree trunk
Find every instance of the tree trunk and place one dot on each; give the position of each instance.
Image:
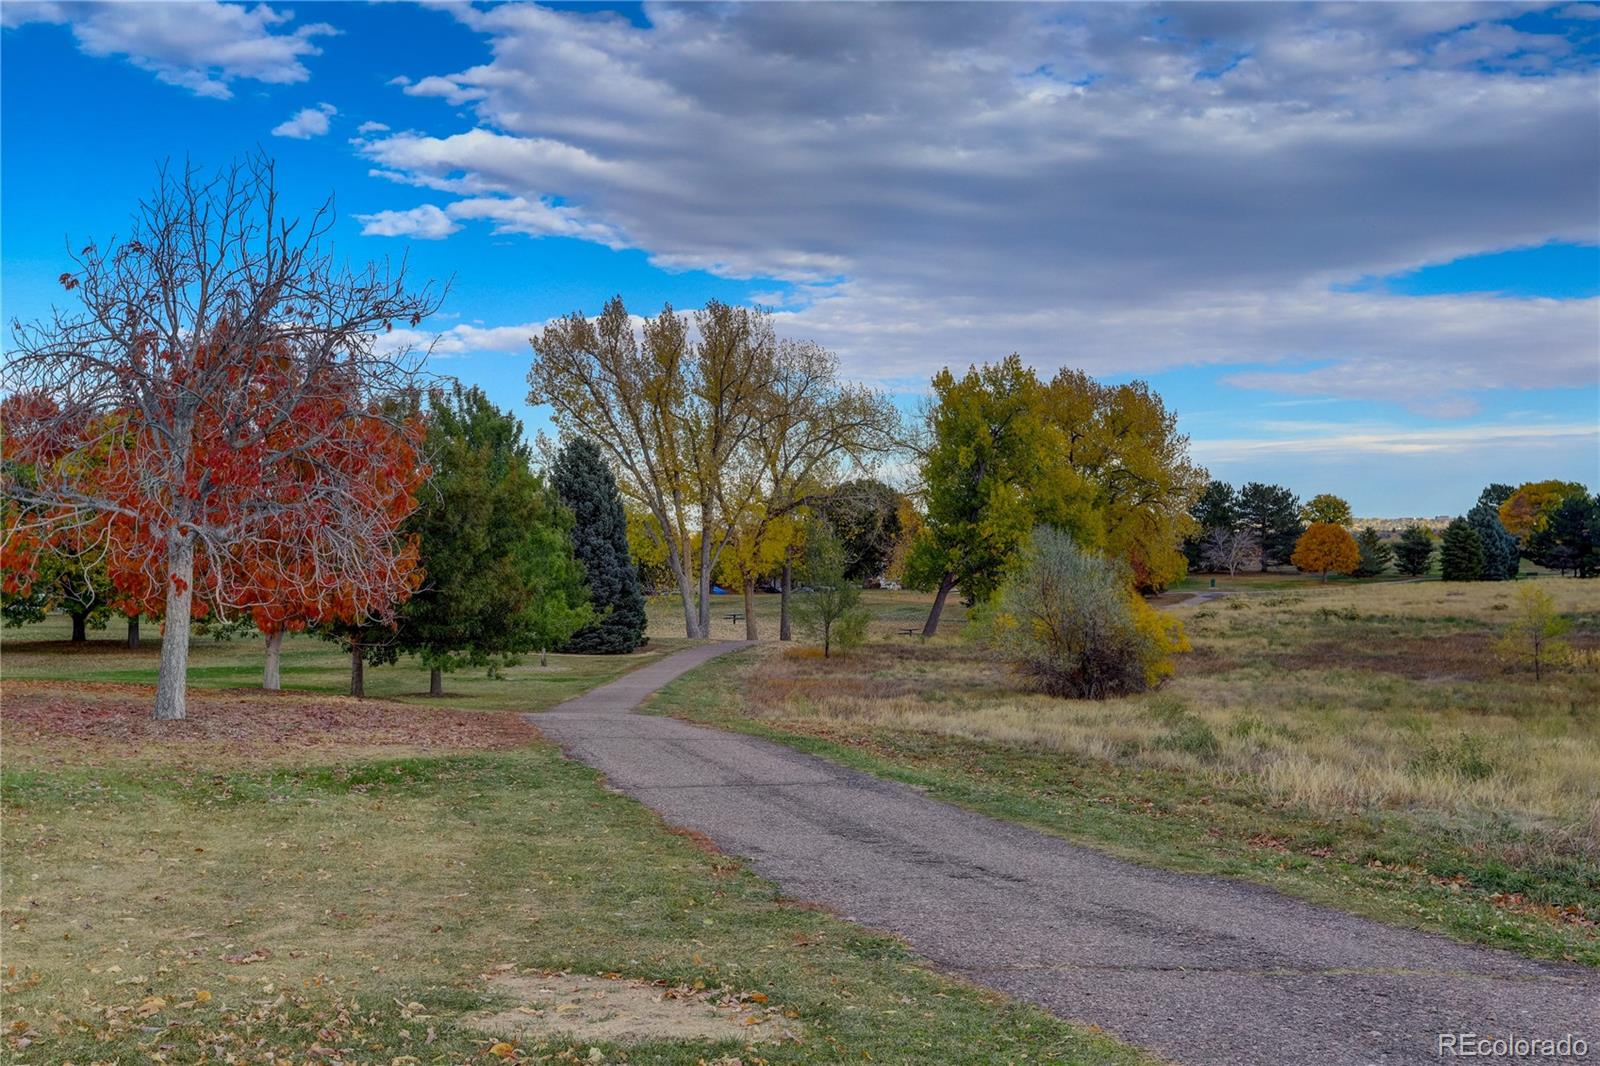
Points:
(133, 631)
(705, 573)
(750, 609)
(272, 672)
(358, 669)
(784, 632)
(80, 627)
(173, 677)
(946, 583)
(691, 624)
(435, 682)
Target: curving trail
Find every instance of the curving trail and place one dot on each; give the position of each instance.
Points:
(1201, 970)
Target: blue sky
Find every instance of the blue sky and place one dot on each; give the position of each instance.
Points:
(1354, 248)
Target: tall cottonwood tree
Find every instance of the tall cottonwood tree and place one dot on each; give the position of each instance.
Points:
(200, 338)
(710, 420)
(980, 468)
(673, 412)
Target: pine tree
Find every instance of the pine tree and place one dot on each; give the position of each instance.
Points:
(1375, 554)
(600, 542)
(1413, 554)
(1272, 514)
(1461, 552)
(487, 527)
(1500, 558)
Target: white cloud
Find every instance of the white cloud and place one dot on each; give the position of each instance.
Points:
(465, 339)
(425, 222)
(308, 122)
(200, 45)
(1123, 188)
(372, 127)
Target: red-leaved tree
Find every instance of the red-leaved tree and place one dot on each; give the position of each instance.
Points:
(218, 374)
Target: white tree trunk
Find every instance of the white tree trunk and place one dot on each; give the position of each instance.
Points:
(173, 678)
(272, 673)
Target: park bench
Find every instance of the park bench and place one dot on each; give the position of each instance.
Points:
(735, 617)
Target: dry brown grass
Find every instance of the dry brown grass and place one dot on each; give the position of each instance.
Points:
(1338, 699)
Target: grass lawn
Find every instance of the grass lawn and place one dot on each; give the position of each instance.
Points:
(301, 877)
(1357, 745)
(309, 665)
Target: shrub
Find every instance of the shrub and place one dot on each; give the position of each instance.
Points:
(1070, 622)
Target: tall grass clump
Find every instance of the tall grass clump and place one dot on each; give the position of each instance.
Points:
(1069, 621)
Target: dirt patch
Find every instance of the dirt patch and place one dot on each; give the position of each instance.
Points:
(82, 721)
(613, 1009)
(1457, 656)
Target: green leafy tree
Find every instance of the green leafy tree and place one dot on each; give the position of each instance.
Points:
(495, 544)
(1500, 555)
(74, 584)
(587, 487)
(1376, 554)
(1461, 552)
(865, 516)
(1413, 553)
(830, 612)
(1271, 513)
(1326, 507)
(980, 469)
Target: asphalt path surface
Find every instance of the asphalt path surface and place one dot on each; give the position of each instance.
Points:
(1198, 969)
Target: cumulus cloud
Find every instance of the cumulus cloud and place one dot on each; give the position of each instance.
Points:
(200, 46)
(308, 122)
(426, 222)
(371, 127)
(1123, 188)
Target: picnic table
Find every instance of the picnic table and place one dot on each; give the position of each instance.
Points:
(735, 617)
(910, 632)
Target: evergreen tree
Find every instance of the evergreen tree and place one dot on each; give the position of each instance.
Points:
(1500, 557)
(1375, 554)
(600, 542)
(1461, 552)
(1216, 510)
(486, 524)
(1413, 554)
(1570, 537)
(1272, 515)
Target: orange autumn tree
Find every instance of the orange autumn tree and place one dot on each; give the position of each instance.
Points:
(209, 333)
(359, 565)
(1325, 547)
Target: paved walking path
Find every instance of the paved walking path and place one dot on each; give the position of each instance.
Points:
(1202, 970)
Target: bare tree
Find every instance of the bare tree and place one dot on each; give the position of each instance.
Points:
(1229, 549)
(204, 338)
